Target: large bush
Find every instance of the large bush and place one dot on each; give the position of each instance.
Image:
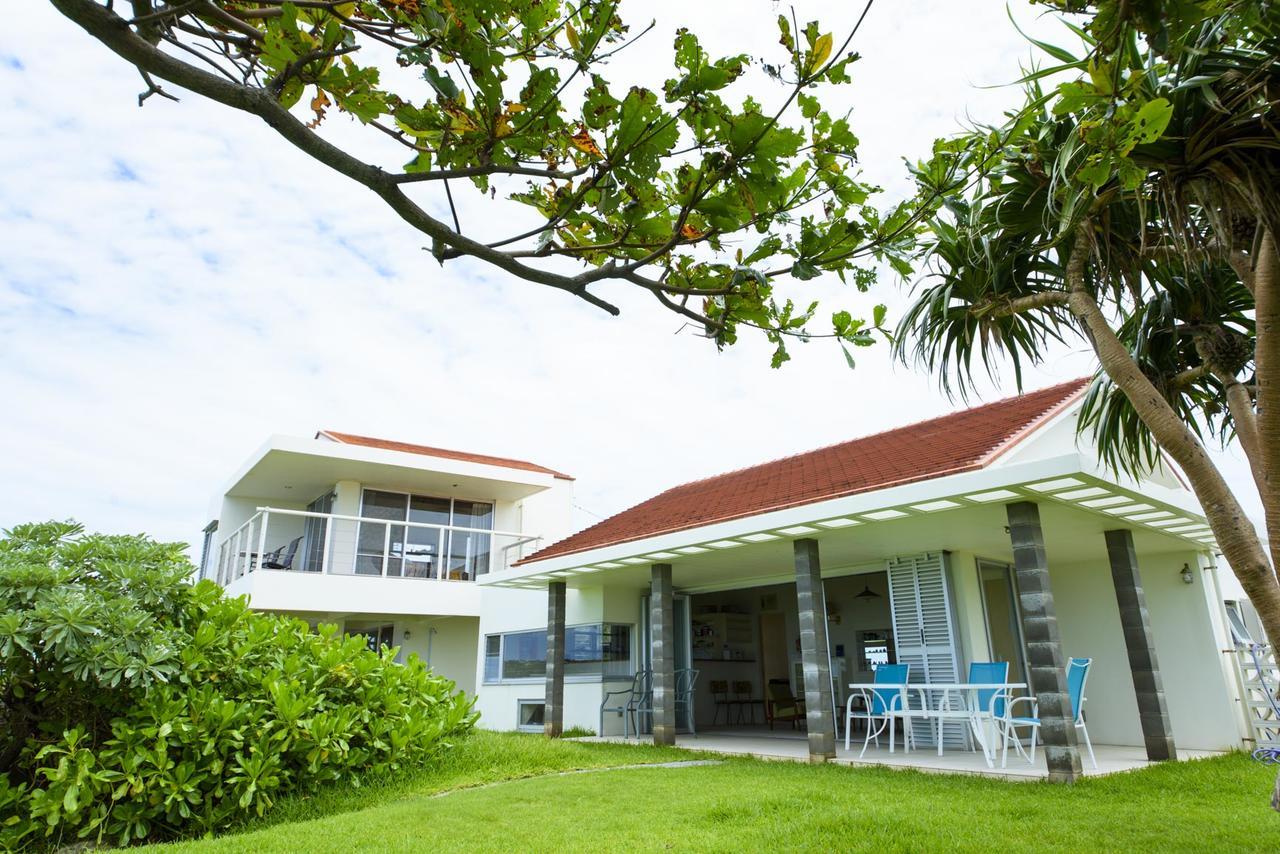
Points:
(136, 706)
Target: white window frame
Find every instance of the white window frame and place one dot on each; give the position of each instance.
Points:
(530, 701)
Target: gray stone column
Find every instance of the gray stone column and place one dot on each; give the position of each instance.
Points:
(1157, 733)
(662, 631)
(814, 652)
(553, 711)
(1045, 663)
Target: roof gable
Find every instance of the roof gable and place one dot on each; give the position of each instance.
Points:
(962, 441)
(441, 453)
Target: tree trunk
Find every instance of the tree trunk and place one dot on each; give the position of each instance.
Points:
(1235, 533)
(1266, 294)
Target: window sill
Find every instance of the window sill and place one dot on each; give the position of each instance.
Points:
(568, 680)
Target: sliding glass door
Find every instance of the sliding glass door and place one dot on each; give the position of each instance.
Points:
(1004, 626)
(415, 552)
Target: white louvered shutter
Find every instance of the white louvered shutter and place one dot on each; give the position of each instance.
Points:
(924, 631)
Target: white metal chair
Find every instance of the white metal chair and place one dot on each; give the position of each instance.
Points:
(1077, 674)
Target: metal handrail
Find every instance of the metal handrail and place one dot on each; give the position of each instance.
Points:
(237, 558)
(369, 519)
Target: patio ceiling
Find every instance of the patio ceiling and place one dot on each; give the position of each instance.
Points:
(959, 512)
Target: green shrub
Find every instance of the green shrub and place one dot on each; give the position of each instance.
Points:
(137, 706)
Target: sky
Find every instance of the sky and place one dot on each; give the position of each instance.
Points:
(177, 284)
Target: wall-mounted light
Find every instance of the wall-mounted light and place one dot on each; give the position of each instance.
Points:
(406, 634)
(1188, 577)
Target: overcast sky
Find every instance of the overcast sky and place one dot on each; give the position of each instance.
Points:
(177, 283)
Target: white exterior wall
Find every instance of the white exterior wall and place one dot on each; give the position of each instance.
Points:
(442, 622)
(526, 610)
(1198, 694)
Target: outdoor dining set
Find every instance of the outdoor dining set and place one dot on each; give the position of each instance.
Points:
(987, 712)
(985, 707)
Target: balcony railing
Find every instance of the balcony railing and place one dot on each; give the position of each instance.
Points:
(333, 544)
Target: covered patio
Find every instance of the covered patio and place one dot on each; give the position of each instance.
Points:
(999, 540)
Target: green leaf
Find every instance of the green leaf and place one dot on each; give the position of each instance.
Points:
(805, 270)
(442, 83)
(1152, 119)
(848, 357)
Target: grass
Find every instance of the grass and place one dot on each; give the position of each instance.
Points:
(743, 803)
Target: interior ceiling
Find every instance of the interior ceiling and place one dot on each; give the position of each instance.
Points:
(1071, 535)
(290, 476)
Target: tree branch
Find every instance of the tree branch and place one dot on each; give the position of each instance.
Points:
(1044, 299)
(114, 32)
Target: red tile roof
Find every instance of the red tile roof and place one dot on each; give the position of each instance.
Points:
(959, 442)
(502, 462)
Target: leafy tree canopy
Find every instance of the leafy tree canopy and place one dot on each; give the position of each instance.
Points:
(720, 194)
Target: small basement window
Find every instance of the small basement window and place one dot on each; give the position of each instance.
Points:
(530, 715)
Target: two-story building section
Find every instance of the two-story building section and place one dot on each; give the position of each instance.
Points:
(388, 539)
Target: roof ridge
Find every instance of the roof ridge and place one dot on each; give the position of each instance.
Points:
(432, 450)
(1081, 381)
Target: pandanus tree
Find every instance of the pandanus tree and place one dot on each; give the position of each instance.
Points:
(1133, 202)
(719, 194)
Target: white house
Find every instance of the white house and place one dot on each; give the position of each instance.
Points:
(387, 539)
(991, 534)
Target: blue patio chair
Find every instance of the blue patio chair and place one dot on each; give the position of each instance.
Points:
(881, 706)
(1077, 673)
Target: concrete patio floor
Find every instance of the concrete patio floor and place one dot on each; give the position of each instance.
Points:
(792, 745)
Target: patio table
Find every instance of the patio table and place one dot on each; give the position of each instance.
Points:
(964, 707)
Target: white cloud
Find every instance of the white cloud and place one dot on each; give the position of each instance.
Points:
(178, 283)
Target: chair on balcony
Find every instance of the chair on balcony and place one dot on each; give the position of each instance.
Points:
(882, 707)
(282, 558)
(632, 703)
(1077, 673)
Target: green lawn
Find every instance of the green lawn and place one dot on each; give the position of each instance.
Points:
(504, 792)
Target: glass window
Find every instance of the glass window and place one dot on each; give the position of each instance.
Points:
(598, 650)
(530, 715)
(468, 550)
(601, 650)
(524, 655)
(373, 537)
(1235, 622)
(493, 658)
(314, 534)
(376, 637)
(425, 545)
(206, 548)
(423, 552)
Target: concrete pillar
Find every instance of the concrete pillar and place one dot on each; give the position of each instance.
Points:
(1045, 663)
(662, 631)
(1157, 733)
(814, 652)
(553, 711)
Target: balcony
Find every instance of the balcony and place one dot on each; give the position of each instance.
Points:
(301, 542)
